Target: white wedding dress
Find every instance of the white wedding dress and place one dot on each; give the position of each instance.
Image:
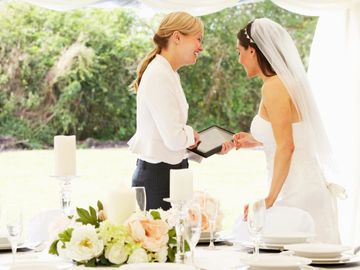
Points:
(305, 187)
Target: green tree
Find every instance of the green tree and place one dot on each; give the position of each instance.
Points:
(69, 72)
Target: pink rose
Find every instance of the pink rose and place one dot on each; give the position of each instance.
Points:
(152, 234)
(199, 197)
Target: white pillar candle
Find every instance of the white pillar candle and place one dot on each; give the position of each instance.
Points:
(65, 158)
(181, 185)
(120, 204)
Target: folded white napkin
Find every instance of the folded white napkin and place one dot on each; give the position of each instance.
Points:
(279, 219)
(4, 241)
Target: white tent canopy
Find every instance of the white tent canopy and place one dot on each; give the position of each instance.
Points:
(334, 71)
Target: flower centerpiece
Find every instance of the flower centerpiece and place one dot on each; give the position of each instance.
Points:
(92, 240)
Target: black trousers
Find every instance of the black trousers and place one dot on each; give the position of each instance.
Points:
(156, 180)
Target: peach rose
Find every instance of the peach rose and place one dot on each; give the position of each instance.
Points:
(152, 234)
(102, 215)
(199, 197)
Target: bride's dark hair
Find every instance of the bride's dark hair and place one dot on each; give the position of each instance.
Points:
(245, 40)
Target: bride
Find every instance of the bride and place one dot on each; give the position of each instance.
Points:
(288, 126)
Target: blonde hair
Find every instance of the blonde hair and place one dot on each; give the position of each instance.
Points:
(183, 22)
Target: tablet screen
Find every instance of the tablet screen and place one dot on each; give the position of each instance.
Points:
(212, 138)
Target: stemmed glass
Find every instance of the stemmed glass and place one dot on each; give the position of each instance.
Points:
(14, 223)
(211, 209)
(192, 227)
(256, 221)
(140, 195)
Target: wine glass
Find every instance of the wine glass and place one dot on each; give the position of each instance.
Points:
(193, 227)
(256, 221)
(211, 209)
(140, 195)
(14, 223)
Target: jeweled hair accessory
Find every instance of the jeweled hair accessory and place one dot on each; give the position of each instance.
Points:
(248, 37)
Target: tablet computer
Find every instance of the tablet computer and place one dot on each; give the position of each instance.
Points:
(211, 140)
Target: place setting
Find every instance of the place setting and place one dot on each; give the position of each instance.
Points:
(278, 240)
(324, 254)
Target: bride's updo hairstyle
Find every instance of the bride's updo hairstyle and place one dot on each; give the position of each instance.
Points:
(183, 22)
(246, 41)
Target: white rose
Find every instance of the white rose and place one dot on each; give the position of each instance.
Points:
(60, 224)
(116, 253)
(84, 244)
(161, 256)
(139, 255)
(170, 216)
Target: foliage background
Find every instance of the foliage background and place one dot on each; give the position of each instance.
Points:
(69, 72)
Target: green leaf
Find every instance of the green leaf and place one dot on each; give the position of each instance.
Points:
(53, 248)
(93, 213)
(103, 260)
(171, 254)
(187, 247)
(65, 236)
(85, 217)
(91, 263)
(172, 233)
(172, 241)
(100, 205)
(155, 214)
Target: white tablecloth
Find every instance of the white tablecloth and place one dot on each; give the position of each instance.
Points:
(224, 257)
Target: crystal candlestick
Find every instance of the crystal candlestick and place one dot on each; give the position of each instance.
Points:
(65, 194)
(180, 230)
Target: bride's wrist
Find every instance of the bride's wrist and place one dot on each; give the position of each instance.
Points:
(269, 201)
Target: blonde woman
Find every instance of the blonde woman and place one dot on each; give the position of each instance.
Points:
(162, 134)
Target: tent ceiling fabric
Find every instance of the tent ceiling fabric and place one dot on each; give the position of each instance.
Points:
(315, 7)
(197, 8)
(64, 5)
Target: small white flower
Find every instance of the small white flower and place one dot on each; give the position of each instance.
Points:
(84, 244)
(161, 256)
(139, 255)
(170, 216)
(116, 253)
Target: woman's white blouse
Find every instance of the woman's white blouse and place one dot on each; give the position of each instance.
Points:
(161, 115)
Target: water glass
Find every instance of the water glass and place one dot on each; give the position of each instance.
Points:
(211, 209)
(193, 227)
(256, 221)
(140, 195)
(14, 224)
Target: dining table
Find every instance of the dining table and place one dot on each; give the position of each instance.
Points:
(227, 256)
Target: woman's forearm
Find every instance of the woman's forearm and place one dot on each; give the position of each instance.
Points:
(282, 161)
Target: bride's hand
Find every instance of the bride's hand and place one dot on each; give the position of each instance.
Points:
(246, 210)
(244, 140)
(268, 203)
(226, 147)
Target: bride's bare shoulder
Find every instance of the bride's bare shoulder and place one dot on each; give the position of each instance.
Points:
(274, 87)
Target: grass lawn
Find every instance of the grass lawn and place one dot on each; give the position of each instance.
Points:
(25, 178)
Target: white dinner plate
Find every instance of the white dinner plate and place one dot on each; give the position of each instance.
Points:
(5, 244)
(315, 250)
(275, 262)
(156, 266)
(346, 259)
(267, 246)
(36, 266)
(286, 238)
(205, 237)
